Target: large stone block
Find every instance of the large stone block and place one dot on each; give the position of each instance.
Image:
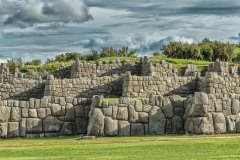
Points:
(235, 106)
(133, 115)
(157, 121)
(124, 128)
(32, 113)
(198, 110)
(137, 129)
(167, 108)
(108, 111)
(138, 105)
(5, 114)
(51, 125)
(218, 105)
(219, 123)
(177, 125)
(13, 129)
(15, 114)
(22, 127)
(81, 124)
(69, 128)
(122, 113)
(96, 122)
(41, 113)
(70, 115)
(143, 117)
(110, 127)
(56, 110)
(3, 130)
(200, 98)
(79, 111)
(34, 125)
(231, 124)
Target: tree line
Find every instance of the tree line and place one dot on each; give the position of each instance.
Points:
(205, 50)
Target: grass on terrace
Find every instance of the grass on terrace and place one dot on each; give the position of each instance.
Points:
(121, 148)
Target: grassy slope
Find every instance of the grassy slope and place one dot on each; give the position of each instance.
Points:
(148, 147)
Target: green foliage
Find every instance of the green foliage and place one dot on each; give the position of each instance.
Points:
(156, 54)
(35, 62)
(206, 50)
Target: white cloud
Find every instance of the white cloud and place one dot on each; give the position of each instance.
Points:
(32, 12)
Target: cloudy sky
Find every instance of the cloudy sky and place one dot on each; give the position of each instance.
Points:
(44, 28)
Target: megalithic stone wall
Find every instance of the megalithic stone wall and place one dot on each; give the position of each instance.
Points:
(157, 115)
(48, 116)
(143, 86)
(205, 115)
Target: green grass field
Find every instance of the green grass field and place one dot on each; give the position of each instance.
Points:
(135, 148)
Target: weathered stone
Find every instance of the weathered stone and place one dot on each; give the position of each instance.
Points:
(34, 125)
(32, 113)
(157, 121)
(133, 115)
(200, 98)
(235, 106)
(122, 113)
(219, 123)
(69, 128)
(137, 129)
(22, 104)
(177, 125)
(41, 113)
(70, 115)
(3, 130)
(108, 111)
(176, 101)
(147, 108)
(231, 124)
(198, 110)
(15, 114)
(238, 123)
(81, 124)
(56, 110)
(167, 108)
(218, 105)
(143, 117)
(13, 129)
(5, 114)
(51, 125)
(22, 127)
(124, 100)
(62, 101)
(138, 106)
(124, 128)
(79, 111)
(110, 127)
(114, 112)
(96, 122)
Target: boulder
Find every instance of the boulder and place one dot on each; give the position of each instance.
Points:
(198, 110)
(231, 124)
(51, 125)
(96, 122)
(157, 121)
(110, 127)
(15, 114)
(200, 98)
(137, 129)
(34, 125)
(69, 128)
(5, 114)
(3, 130)
(56, 110)
(13, 129)
(138, 105)
(133, 115)
(167, 108)
(219, 123)
(124, 128)
(122, 113)
(235, 106)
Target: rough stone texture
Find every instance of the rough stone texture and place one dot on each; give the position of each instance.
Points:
(81, 124)
(124, 128)
(177, 125)
(3, 130)
(110, 127)
(51, 125)
(219, 123)
(167, 108)
(15, 114)
(122, 113)
(231, 124)
(13, 129)
(34, 125)
(5, 114)
(70, 115)
(96, 122)
(69, 128)
(157, 121)
(235, 106)
(137, 129)
(56, 110)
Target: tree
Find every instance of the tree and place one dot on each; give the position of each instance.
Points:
(156, 54)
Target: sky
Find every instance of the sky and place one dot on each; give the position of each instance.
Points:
(41, 29)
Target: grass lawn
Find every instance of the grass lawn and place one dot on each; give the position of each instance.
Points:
(135, 148)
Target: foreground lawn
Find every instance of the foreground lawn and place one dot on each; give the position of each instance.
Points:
(135, 148)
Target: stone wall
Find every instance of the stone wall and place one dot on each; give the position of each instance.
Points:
(143, 86)
(206, 114)
(156, 115)
(22, 89)
(48, 116)
(106, 68)
(109, 86)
